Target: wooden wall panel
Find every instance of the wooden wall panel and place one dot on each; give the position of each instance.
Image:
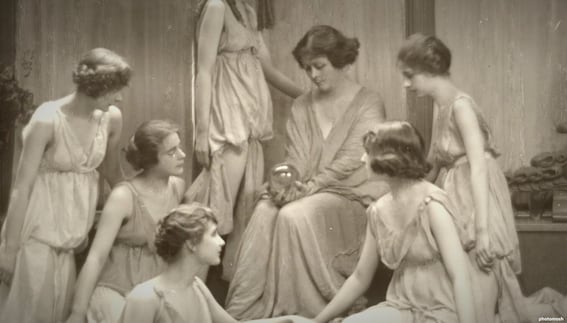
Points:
(154, 36)
(379, 26)
(511, 56)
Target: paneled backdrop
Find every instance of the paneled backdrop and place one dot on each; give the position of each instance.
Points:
(511, 56)
(154, 36)
(378, 25)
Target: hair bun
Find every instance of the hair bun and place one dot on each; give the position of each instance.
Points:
(133, 155)
(354, 43)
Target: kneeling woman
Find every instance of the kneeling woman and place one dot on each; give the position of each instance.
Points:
(414, 231)
(123, 252)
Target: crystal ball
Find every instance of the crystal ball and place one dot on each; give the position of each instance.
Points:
(282, 176)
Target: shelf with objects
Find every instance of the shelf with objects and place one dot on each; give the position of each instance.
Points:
(539, 192)
(539, 197)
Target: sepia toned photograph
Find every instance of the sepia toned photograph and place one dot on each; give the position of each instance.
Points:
(283, 161)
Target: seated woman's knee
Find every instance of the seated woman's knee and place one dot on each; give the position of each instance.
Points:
(296, 210)
(265, 206)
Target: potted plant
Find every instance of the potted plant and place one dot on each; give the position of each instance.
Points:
(16, 107)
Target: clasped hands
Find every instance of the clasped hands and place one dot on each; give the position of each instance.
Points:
(295, 191)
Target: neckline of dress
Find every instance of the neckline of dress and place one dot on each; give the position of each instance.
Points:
(74, 137)
(337, 120)
(141, 202)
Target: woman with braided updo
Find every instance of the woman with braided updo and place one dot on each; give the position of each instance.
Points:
(187, 240)
(53, 201)
(123, 253)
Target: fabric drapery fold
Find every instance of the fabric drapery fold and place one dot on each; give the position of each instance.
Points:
(265, 12)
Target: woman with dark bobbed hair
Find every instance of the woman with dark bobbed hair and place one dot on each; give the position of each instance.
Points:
(187, 240)
(463, 156)
(53, 201)
(302, 242)
(414, 231)
(123, 254)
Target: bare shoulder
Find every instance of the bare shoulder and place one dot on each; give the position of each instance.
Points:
(215, 6)
(144, 294)
(115, 117)
(42, 122)
(463, 103)
(45, 113)
(120, 201)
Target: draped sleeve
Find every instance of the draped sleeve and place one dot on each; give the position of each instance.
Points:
(347, 160)
(333, 163)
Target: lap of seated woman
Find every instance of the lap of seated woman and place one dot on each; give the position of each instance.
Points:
(301, 243)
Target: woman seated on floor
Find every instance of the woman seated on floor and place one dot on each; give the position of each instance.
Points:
(187, 240)
(414, 231)
(302, 243)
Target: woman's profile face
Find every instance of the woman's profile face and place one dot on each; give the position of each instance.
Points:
(108, 99)
(209, 249)
(322, 73)
(414, 81)
(171, 156)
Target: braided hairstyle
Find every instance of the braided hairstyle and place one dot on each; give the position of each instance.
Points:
(101, 71)
(188, 222)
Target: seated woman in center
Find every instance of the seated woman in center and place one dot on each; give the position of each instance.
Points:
(302, 243)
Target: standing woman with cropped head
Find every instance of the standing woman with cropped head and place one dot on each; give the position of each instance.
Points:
(233, 113)
(464, 164)
(52, 205)
(123, 253)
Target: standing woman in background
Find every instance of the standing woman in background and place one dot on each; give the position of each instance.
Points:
(123, 253)
(233, 113)
(52, 205)
(464, 164)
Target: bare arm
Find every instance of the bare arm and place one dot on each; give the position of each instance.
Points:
(356, 284)
(110, 169)
(36, 136)
(455, 260)
(117, 208)
(471, 133)
(208, 42)
(273, 76)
